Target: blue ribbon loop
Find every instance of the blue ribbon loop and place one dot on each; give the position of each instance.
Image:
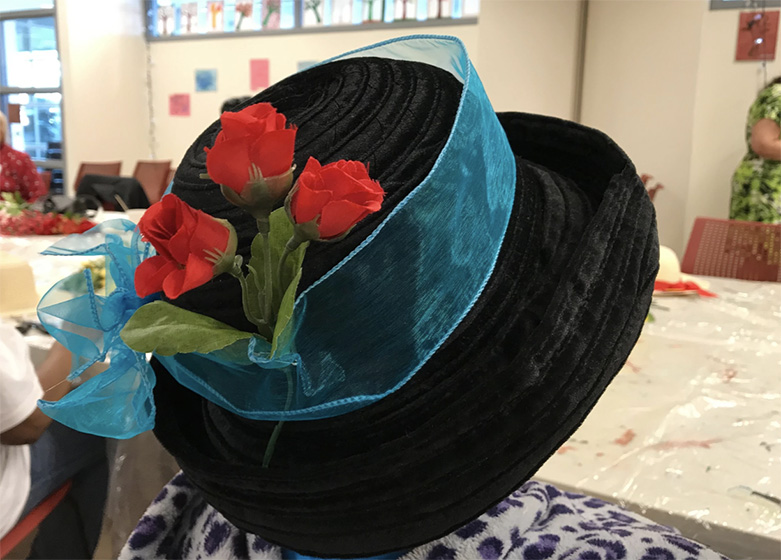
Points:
(117, 402)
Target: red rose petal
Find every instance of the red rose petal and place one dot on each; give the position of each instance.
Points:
(307, 202)
(228, 163)
(273, 152)
(338, 217)
(151, 273)
(196, 273)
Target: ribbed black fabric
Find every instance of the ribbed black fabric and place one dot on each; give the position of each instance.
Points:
(555, 323)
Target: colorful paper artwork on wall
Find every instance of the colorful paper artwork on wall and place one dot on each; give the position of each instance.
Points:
(243, 19)
(165, 21)
(757, 36)
(372, 10)
(258, 73)
(179, 105)
(439, 9)
(341, 12)
(206, 80)
(188, 22)
(313, 13)
(215, 15)
(405, 9)
(271, 14)
(304, 64)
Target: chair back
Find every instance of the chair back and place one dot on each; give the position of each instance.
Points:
(46, 177)
(153, 176)
(29, 522)
(110, 168)
(734, 249)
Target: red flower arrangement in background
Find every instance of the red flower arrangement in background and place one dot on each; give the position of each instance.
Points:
(33, 222)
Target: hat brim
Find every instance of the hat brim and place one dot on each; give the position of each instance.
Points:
(509, 386)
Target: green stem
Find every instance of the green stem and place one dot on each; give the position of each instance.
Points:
(269, 290)
(272, 442)
(291, 245)
(263, 328)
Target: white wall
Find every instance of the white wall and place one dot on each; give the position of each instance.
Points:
(174, 62)
(725, 90)
(528, 52)
(105, 106)
(640, 88)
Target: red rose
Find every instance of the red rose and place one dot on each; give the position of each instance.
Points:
(337, 196)
(255, 135)
(192, 248)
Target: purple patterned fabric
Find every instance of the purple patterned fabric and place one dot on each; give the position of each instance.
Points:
(536, 522)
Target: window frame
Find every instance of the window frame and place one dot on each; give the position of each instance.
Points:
(10, 90)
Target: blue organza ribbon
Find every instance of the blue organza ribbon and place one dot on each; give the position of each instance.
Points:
(117, 402)
(368, 325)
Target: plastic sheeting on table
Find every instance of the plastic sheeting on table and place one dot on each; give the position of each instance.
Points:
(691, 427)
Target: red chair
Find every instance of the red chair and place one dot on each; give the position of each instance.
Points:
(46, 177)
(651, 187)
(29, 522)
(97, 168)
(734, 249)
(153, 176)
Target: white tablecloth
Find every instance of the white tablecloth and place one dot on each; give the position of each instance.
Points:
(691, 426)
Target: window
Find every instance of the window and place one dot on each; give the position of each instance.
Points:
(743, 4)
(30, 82)
(168, 18)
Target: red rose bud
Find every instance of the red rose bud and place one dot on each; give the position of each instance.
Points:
(192, 248)
(252, 156)
(334, 197)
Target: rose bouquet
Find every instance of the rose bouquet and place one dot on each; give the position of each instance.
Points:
(252, 161)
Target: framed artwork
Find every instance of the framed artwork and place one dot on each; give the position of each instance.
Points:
(188, 19)
(438, 9)
(372, 10)
(341, 12)
(406, 9)
(215, 11)
(312, 13)
(165, 20)
(757, 35)
(243, 20)
(271, 14)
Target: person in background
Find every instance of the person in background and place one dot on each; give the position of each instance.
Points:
(756, 185)
(17, 171)
(37, 456)
(233, 103)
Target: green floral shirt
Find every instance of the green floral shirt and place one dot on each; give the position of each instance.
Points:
(756, 185)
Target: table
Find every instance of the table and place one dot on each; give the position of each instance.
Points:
(689, 432)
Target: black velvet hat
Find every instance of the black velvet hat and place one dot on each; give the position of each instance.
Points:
(557, 318)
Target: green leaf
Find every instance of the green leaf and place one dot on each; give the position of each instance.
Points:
(285, 313)
(281, 231)
(167, 330)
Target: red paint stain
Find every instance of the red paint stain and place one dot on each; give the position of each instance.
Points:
(633, 367)
(625, 438)
(704, 444)
(728, 374)
(564, 448)
(600, 454)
